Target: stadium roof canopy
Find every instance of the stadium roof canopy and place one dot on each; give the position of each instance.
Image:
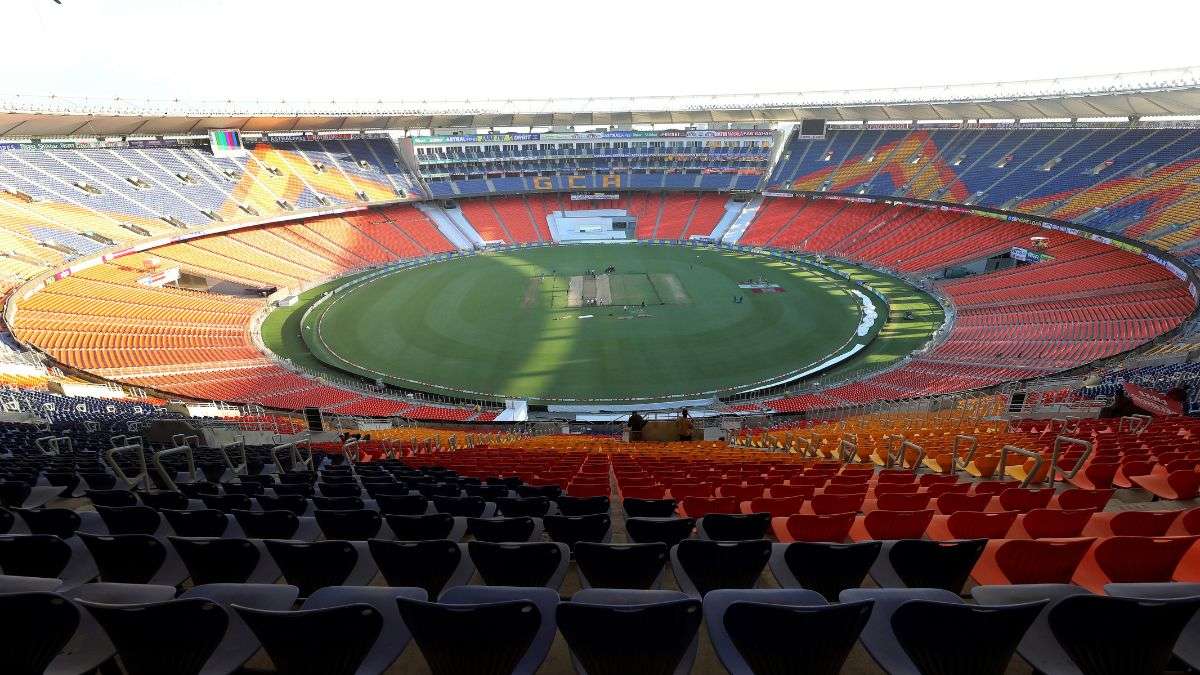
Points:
(1166, 93)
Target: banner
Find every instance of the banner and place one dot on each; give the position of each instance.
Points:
(1153, 402)
(592, 196)
(590, 135)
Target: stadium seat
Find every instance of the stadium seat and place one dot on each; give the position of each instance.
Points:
(514, 529)
(1187, 647)
(669, 531)
(733, 527)
(621, 566)
(214, 560)
(1030, 561)
(656, 630)
(826, 568)
(311, 566)
(917, 563)
(433, 565)
(521, 564)
(701, 566)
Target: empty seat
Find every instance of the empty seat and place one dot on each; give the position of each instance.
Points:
(523, 506)
(197, 523)
(701, 566)
(466, 507)
(358, 525)
(1038, 647)
(610, 631)
(917, 563)
(313, 565)
(1129, 636)
(34, 628)
(625, 566)
(582, 506)
(1131, 560)
(268, 524)
(774, 630)
(504, 529)
(1187, 647)
(402, 505)
(511, 629)
(434, 526)
(669, 531)
(135, 559)
(834, 527)
(347, 634)
(826, 568)
(130, 519)
(431, 565)
(1030, 561)
(649, 508)
(733, 527)
(224, 560)
(920, 626)
(177, 636)
(524, 564)
(573, 529)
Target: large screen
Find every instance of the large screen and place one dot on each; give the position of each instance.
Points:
(812, 128)
(225, 142)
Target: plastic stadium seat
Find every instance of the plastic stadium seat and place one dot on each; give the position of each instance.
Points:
(431, 565)
(921, 626)
(1024, 500)
(135, 559)
(877, 636)
(649, 508)
(435, 526)
(62, 523)
(648, 492)
(898, 502)
(226, 503)
(668, 530)
(271, 525)
(917, 563)
(403, 505)
(655, 630)
(225, 560)
(350, 489)
(1182, 484)
(1051, 523)
(733, 527)
(1095, 500)
(1095, 476)
(953, 502)
(45, 555)
(778, 507)
(698, 507)
(347, 633)
(803, 527)
(149, 639)
(511, 629)
(521, 564)
(827, 504)
(994, 487)
(34, 629)
(825, 568)
(111, 497)
(972, 525)
(583, 506)
(534, 507)
(131, 520)
(1132, 560)
(1187, 647)
(583, 490)
(624, 566)
(466, 507)
(394, 636)
(878, 525)
(794, 490)
(772, 630)
(1131, 523)
(1030, 561)
(504, 529)
(1038, 647)
(297, 504)
(1111, 635)
(200, 523)
(701, 566)
(311, 566)
(358, 525)
(573, 529)
(1187, 523)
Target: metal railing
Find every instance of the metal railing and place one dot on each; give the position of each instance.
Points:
(143, 475)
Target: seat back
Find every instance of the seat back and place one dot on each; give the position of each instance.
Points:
(126, 558)
(176, 636)
(669, 531)
(722, 564)
(312, 565)
(516, 564)
(34, 555)
(216, 560)
(631, 566)
(130, 519)
(267, 524)
(652, 638)
(897, 524)
(1141, 559)
(1056, 523)
(981, 524)
(523, 506)
(573, 529)
(417, 564)
(1126, 636)
(736, 527)
(774, 638)
(921, 627)
(830, 568)
(34, 628)
(935, 564)
(359, 525)
(346, 634)
(1041, 561)
(501, 633)
(500, 529)
(649, 508)
(421, 528)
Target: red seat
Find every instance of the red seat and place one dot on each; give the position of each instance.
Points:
(856, 489)
(786, 491)
(828, 504)
(994, 487)
(1051, 523)
(938, 489)
(1030, 561)
(1095, 476)
(883, 525)
(972, 525)
(896, 489)
(954, 502)
(643, 492)
(1095, 500)
(1188, 523)
(851, 479)
(830, 527)
(1177, 485)
(1025, 499)
(776, 506)
(930, 479)
(698, 507)
(577, 489)
(1131, 560)
(897, 477)
(901, 502)
(681, 491)
(740, 492)
(1131, 524)
(1125, 474)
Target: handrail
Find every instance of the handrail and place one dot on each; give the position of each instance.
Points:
(294, 454)
(1136, 423)
(955, 463)
(1067, 440)
(162, 470)
(143, 473)
(847, 451)
(244, 466)
(808, 446)
(908, 445)
(352, 452)
(1002, 466)
(53, 442)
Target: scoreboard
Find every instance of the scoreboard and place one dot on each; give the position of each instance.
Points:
(225, 142)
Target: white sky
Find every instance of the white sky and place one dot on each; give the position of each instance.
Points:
(393, 50)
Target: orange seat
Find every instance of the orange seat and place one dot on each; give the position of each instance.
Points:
(1132, 560)
(831, 527)
(776, 506)
(1051, 524)
(972, 525)
(885, 525)
(1029, 561)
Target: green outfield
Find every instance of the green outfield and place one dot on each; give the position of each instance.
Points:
(593, 322)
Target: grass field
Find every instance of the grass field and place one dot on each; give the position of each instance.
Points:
(498, 324)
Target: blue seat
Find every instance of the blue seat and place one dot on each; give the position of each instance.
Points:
(521, 564)
(701, 566)
(347, 633)
(433, 565)
(1038, 647)
(1187, 647)
(824, 567)
(1110, 635)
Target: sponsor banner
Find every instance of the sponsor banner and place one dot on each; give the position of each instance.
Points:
(768, 193)
(1171, 267)
(608, 181)
(1025, 255)
(1152, 401)
(593, 196)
